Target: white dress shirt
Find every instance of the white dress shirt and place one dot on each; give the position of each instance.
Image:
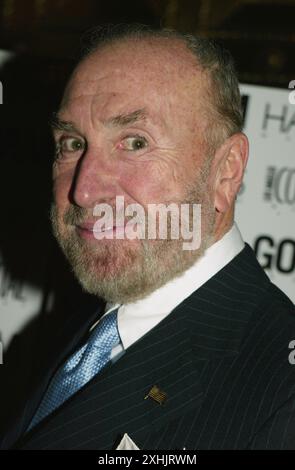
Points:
(135, 319)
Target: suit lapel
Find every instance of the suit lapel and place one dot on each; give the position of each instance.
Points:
(71, 334)
(175, 356)
(163, 357)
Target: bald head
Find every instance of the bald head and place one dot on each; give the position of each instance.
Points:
(149, 74)
(223, 96)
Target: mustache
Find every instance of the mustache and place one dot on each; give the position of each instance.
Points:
(73, 215)
(76, 215)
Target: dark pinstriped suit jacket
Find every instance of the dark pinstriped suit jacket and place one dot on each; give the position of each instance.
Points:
(222, 358)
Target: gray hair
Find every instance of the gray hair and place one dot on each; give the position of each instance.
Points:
(224, 95)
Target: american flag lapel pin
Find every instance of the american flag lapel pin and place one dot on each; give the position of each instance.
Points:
(157, 395)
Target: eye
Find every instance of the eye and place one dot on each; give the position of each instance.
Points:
(133, 143)
(70, 144)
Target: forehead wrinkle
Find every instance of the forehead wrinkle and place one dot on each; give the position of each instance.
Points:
(127, 112)
(179, 90)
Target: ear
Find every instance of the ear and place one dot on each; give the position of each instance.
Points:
(230, 162)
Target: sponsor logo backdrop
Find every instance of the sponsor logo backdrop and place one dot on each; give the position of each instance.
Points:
(266, 204)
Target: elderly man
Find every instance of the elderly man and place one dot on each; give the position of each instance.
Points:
(189, 348)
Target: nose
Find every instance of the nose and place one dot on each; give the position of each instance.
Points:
(94, 180)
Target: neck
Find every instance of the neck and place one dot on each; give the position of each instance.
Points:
(224, 222)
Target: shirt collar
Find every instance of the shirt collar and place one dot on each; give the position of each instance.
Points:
(137, 318)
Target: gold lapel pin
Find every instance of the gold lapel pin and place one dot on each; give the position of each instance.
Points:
(157, 394)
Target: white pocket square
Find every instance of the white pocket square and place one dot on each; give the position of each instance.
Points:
(127, 443)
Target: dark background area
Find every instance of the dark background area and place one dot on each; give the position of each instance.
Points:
(45, 36)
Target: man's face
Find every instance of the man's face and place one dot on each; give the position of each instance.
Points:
(136, 121)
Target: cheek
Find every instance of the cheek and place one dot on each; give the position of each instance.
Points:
(62, 182)
(152, 182)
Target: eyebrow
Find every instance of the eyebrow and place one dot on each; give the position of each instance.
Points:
(60, 125)
(120, 120)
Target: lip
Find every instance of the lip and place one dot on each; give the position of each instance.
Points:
(85, 230)
(86, 225)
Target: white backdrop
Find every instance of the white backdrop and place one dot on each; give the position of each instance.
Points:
(265, 206)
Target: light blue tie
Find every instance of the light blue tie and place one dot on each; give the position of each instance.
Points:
(80, 367)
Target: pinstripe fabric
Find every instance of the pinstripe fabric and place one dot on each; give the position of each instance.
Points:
(221, 357)
(80, 367)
